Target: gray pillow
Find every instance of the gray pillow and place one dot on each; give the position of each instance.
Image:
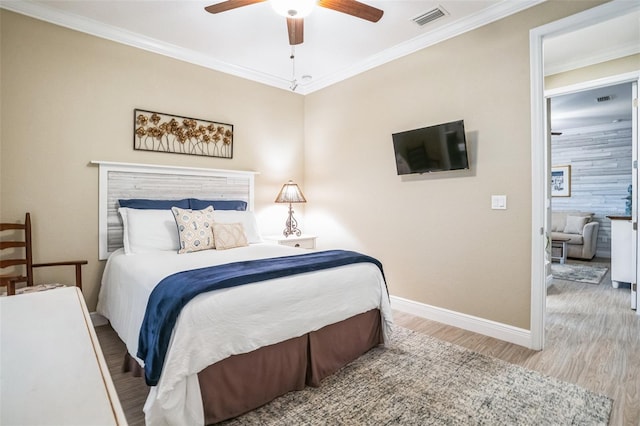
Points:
(575, 224)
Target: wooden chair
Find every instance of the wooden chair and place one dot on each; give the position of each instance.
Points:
(21, 239)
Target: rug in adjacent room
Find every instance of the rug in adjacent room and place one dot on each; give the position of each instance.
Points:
(420, 380)
(591, 274)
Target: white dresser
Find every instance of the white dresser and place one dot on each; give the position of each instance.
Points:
(622, 269)
(52, 370)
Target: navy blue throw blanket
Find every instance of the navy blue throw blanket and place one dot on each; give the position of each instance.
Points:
(172, 293)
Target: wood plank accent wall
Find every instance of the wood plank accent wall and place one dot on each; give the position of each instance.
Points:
(601, 161)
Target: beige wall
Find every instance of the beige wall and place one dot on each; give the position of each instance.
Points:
(68, 99)
(436, 235)
(593, 72)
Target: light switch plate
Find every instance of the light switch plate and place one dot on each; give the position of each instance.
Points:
(499, 202)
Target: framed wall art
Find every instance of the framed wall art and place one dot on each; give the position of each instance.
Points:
(159, 132)
(561, 181)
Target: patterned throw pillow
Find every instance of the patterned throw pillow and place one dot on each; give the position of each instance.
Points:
(229, 235)
(194, 229)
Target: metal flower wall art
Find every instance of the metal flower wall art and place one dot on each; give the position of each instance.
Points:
(154, 131)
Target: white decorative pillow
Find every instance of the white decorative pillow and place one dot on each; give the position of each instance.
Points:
(246, 218)
(194, 229)
(575, 224)
(229, 235)
(148, 230)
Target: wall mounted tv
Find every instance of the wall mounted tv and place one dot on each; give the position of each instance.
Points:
(436, 148)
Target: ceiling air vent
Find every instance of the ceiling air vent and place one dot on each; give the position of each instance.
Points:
(430, 16)
(604, 98)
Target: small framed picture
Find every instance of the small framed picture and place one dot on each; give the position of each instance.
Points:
(561, 181)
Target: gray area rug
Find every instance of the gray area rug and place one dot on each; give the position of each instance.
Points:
(420, 380)
(590, 274)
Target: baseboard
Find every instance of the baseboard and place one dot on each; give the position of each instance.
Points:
(549, 280)
(508, 333)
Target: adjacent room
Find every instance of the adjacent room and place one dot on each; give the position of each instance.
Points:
(317, 212)
(591, 156)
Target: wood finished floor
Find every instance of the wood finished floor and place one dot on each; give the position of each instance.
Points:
(592, 340)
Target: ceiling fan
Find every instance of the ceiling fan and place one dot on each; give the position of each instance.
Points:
(296, 10)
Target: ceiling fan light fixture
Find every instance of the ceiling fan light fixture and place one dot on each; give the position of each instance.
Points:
(293, 8)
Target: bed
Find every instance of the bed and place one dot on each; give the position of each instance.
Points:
(234, 349)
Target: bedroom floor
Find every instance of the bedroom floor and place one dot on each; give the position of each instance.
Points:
(132, 391)
(592, 339)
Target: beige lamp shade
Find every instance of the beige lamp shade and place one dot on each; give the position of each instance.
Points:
(290, 193)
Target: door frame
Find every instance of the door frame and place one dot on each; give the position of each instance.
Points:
(540, 148)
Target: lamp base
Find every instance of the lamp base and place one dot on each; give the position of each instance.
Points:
(291, 225)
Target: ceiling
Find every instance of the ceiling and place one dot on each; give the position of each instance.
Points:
(599, 42)
(595, 107)
(603, 41)
(252, 42)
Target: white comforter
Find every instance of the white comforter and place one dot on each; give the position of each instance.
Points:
(218, 324)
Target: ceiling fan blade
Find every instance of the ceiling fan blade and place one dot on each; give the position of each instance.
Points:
(229, 4)
(295, 28)
(353, 8)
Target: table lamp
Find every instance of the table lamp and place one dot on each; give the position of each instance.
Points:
(290, 193)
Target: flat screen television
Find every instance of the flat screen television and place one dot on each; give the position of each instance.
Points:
(436, 148)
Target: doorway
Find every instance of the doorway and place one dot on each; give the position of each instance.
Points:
(591, 136)
(541, 152)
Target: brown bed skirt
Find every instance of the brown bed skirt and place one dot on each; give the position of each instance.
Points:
(241, 383)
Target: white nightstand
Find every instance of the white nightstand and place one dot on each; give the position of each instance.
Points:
(303, 241)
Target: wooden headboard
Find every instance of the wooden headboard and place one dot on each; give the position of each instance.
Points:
(127, 180)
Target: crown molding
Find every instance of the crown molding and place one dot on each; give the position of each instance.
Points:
(484, 17)
(595, 58)
(89, 26)
(99, 29)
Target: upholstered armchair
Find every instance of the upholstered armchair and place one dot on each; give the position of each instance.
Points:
(580, 229)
